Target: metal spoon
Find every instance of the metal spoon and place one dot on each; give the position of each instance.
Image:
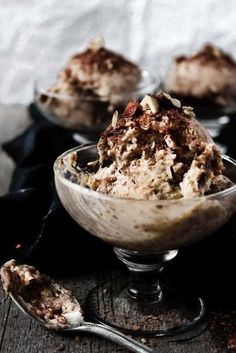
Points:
(74, 318)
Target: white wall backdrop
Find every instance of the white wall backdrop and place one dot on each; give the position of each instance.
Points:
(34, 33)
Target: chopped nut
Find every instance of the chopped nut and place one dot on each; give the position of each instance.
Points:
(143, 340)
(174, 101)
(188, 111)
(93, 163)
(216, 52)
(131, 109)
(177, 167)
(72, 159)
(187, 107)
(136, 327)
(96, 43)
(109, 64)
(150, 102)
(114, 119)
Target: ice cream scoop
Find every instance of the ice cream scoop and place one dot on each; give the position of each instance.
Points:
(101, 71)
(89, 87)
(208, 75)
(53, 306)
(156, 149)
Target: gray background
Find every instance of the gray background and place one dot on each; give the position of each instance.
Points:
(38, 34)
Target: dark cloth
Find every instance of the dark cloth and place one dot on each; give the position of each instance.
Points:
(38, 228)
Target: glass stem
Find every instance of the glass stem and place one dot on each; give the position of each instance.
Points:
(144, 272)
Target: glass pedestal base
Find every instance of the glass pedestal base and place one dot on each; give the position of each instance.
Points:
(170, 313)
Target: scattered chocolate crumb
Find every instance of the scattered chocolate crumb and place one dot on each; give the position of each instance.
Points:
(136, 327)
(61, 348)
(143, 340)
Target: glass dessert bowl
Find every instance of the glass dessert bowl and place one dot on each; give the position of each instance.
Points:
(86, 114)
(153, 184)
(206, 80)
(90, 86)
(145, 234)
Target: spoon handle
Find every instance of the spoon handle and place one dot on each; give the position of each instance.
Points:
(116, 336)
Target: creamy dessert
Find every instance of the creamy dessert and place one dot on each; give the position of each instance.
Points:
(90, 84)
(156, 149)
(153, 181)
(42, 297)
(206, 76)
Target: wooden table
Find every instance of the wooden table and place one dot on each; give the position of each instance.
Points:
(20, 334)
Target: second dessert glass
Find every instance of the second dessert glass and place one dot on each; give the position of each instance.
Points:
(86, 115)
(146, 235)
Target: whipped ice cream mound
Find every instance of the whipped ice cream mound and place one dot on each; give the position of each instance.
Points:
(100, 70)
(155, 159)
(208, 75)
(90, 84)
(41, 295)
(156, 149)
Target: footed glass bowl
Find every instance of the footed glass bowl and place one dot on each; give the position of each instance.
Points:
(145, 234)
(86, 114)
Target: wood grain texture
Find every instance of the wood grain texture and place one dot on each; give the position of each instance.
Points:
(20, 334)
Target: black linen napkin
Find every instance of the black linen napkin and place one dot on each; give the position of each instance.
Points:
(32, 213)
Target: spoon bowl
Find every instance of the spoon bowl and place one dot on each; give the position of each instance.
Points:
(38, 296)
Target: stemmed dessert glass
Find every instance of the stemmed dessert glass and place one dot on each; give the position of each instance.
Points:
(86, 115)
(146, 234)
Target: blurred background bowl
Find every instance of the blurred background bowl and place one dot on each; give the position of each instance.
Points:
(86, 114)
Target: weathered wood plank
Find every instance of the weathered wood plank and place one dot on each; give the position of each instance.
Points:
(19, 334)
(4, 314)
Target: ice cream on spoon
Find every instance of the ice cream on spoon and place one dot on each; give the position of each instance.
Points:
(53, 306)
